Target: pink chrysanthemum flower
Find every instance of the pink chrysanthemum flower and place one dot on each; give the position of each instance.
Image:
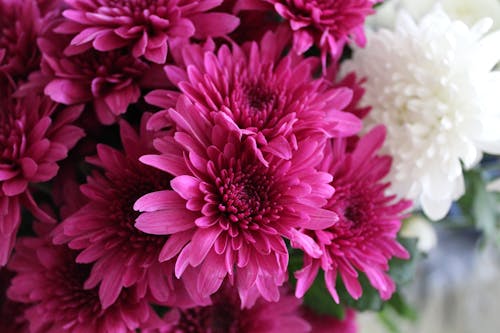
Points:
(103, 229)
(226, 315)
(276, 101)
(11, 313)
(19, 28)
(228, 211)
(34, 135)
(52, 285)
(364, 239)
(108, 79)
(146, 26)
(327, 24)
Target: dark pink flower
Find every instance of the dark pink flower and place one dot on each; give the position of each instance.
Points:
(228, 211)
(103, 229)
(226, 315)
(11, 313)
(277, 102)
(364, 239)
(19, 28)
(328, 324)
(108, 79)
(34, 135)
(52, 285)
(146, 26)
(327, 24)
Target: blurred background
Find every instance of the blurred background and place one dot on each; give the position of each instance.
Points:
(456, 289)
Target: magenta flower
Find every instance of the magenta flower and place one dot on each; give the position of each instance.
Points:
(19, 27)
(34, 135)
(103, 229)
(52, 286)
(146, 26)
(327, 24)
(364, 239)
(228, 211)
(108, 79)
(275, 101)
(226, 315)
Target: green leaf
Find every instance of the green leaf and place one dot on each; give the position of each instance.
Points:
(318, 298)
(401, 307)
(402, 271)
(480, 206)
(388, 321)
(369, 300)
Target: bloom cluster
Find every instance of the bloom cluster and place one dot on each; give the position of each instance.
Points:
(165, 164)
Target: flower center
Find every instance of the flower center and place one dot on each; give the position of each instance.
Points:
(246, 196)
(69, 279)
(256, 103)
(260, 98)
(139, 10)
(353, 203)
(107, 69)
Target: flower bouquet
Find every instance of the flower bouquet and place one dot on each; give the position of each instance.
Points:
(234, 166)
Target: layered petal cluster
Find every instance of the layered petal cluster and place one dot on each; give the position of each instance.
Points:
(34, 135)
(19, 28)
(110, 80)
(230, 208)
(364, 239)
(226, 315)
(103, 229)
(431, 84)
(275, 100)
(327, 24)
(144, 26)
(51, 284)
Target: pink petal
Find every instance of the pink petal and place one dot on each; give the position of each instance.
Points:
(165, 222)
(157, 54)
(108, 41)
(67, 91)
(186, 186)
(212, 274)
(14, 186)
(302, 41)
(174, 245)
(170, 163)
(214, 24)
(159, 200)
(202, 242)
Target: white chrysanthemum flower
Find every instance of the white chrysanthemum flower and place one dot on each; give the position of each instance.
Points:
(468, 11)
(431, 84)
